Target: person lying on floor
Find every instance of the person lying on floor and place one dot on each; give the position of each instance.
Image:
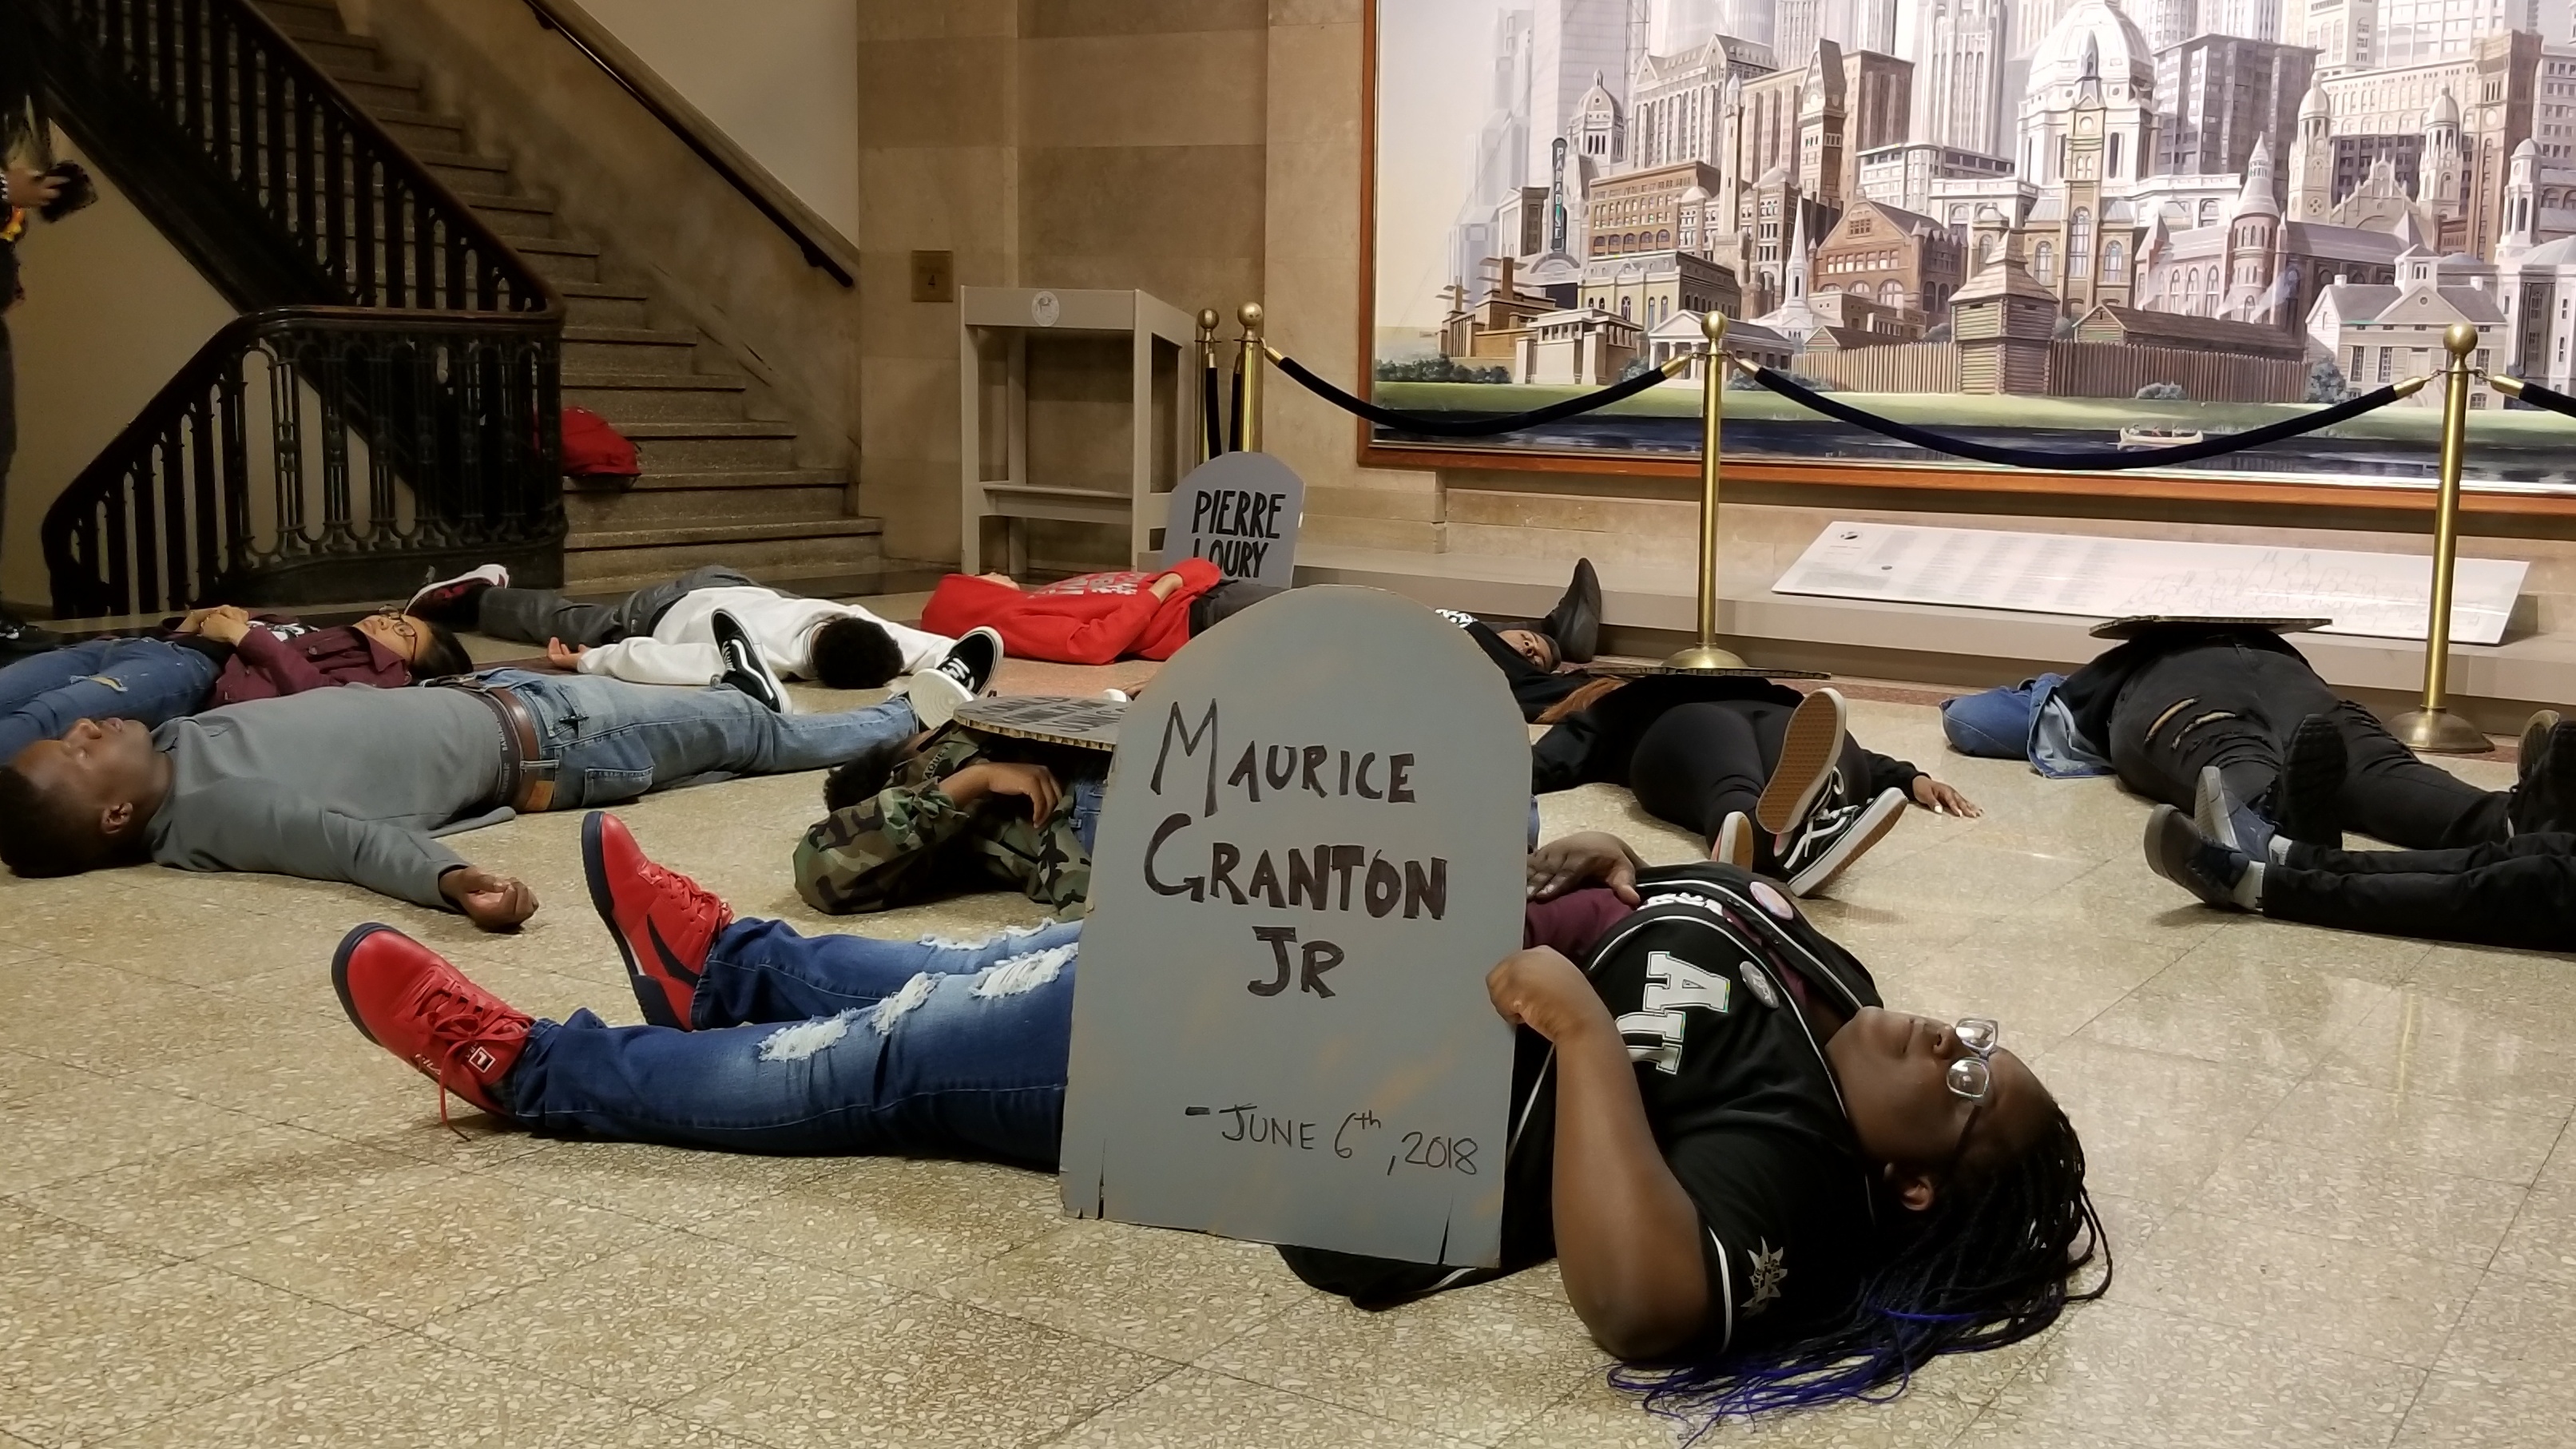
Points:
(2519, 892)
(2186, 708)
(669, 633)
(213, 657)
(1786, 1196)
(1770, 780)
(355, 784)
(1133, 614)
(957, 811)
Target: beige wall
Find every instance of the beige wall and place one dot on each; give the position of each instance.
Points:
(780, 76)
(112, 311)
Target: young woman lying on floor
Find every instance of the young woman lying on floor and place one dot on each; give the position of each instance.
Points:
(1765, 1190)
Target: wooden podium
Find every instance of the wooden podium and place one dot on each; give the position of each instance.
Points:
(1076, 473)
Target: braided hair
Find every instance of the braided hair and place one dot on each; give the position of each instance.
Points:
(1987, 1265)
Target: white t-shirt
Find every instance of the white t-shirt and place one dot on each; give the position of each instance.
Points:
(682, 650)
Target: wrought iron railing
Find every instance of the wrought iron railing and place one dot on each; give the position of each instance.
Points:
(389, 335)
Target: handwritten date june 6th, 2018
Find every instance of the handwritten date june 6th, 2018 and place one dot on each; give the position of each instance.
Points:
(1246, 1122)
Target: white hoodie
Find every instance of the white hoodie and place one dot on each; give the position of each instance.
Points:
(681, 649)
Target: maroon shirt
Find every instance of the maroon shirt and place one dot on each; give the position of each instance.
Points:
(278, 657)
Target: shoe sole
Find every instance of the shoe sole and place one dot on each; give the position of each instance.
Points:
(1735, 841)
(340, 973)
(2154, 843)
(2535, 739)
(1808, 753)
(469, 576)
(2205, 814)
(1875, 822)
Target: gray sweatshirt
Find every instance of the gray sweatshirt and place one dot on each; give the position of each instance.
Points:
(334, 784)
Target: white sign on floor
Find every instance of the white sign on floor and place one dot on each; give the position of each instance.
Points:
(1311, 854)
(2383, 595)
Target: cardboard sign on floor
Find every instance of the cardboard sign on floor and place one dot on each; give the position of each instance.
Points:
(1239, 511)
(1311, 854)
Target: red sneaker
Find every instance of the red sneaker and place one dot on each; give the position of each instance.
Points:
(663, 922)
(406, 998)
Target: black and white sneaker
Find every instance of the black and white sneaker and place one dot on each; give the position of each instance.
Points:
(744, 668)
(451, 601)
(1809, 750)
(936, 692)
(2215, 872)
(17, 636)
(1838, 832)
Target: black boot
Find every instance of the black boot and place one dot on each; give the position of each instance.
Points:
(2544, 797)
(1575, 622)
(2306, 800)
(17, 636)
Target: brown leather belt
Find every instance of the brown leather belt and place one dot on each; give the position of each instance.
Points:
(527, 777)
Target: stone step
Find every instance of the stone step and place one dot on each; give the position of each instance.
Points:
(628, 349)
(315, 15)
(512, 216)
(601, 304)
(632, 557)
(377, 90)
(561, 259)
(467, 172)
(333, 46)
(423, 130)
(683, 447)
(665, 502)
(648, 397)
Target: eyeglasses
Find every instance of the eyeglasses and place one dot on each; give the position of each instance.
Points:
(1970, 1076)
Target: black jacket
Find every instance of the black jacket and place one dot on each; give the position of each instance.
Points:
(2093, 692)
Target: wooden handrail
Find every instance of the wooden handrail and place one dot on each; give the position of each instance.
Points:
(822, 243)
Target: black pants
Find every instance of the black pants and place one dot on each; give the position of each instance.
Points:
(1699, 763)
(1226, 600)
(533, 616)
(2236, 708)
(2518, 892)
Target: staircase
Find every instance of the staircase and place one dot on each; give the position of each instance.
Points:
(719, 486)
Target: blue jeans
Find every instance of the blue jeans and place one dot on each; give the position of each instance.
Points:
(828, 1045)
(611, 741)
(145, 680)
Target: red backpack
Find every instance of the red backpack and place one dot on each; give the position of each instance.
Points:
(593, 449)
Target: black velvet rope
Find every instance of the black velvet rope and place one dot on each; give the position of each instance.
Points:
(2546, 397)
(2089, 460)
(1447, 427)
(1213, 411)
(1234, 426)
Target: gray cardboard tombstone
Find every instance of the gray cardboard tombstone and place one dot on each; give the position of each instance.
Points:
(1239, 511)
(1315, 1064)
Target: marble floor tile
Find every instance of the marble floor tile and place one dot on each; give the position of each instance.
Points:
(2268, 1016)
(2508, 1376)
(2044, 987)
(921, 1373)
(657, 1184)
(401, 1393)
(111, 1021)
(1476, 1363)
(192, 1200)
(45, 1261)
(23, 1076)
(1195, 1407)
(2284, 1284)
(2419, 1041)
(2154, 1126)
(76, 1130)
(917, 1223)
(2541, 1244)
(1174, 1295)
(2432, 1132)
(2364, 1201)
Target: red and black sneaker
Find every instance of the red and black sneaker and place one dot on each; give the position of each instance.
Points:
(451, 601)
(406, 998)
(663, 922)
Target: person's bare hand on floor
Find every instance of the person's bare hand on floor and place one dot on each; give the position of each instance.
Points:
(493, 902)
(1932, 795)
(564, 656)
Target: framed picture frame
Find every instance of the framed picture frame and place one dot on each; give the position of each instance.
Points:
(1554, 258)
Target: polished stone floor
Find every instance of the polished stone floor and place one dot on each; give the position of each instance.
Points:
(2333, 1168)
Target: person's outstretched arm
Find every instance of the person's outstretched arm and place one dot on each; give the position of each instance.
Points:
(1627, 1235)
(239, 826)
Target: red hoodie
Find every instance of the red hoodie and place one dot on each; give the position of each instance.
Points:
(1086, 619)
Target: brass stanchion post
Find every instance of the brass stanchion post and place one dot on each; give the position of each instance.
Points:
(1705, 654)
(1250, 315)
(2433, 728)
(1207, 364)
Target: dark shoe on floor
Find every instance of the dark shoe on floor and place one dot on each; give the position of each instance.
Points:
(744, 668)
(17, 636)
(1575, 622)
(2219, 815)
(966, 672)
(663, 922)
(1809, 751)
(1838, 832)
(451, 601)
(2307, 802)
(406, 998)
(2544, 790)
(2178, 851)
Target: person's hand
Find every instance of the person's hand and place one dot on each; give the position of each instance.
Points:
(1005, 580)
(493, 902)
(1034, 783)
(31, 189)
(1585, 858)
(225, 623)
(564, 656)
(196, 620)
(1166, 586)
(1542, 990)
(1931, 794)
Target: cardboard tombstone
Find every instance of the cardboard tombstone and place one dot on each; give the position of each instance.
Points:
(1311, 854)
(1239, 511)
(1089, 724)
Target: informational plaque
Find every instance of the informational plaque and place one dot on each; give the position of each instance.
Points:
(2384, 595)
(1311, 854)
(1239, 511)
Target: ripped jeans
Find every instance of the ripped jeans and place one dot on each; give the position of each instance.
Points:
(828, 1045)
(149, 681)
